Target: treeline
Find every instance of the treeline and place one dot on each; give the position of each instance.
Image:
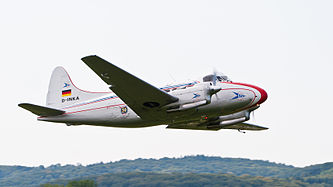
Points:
(141, 179)
(32, 176)
(75, 183)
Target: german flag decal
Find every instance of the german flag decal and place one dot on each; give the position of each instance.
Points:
(66, 93)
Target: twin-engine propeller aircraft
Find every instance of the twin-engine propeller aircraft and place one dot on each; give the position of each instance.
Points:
(216, 103)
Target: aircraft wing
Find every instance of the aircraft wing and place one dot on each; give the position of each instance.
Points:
(237, 126)
(41, 110)
(140, 96)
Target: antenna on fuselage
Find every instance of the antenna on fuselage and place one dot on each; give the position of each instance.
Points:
(241, 131)
(173, 79)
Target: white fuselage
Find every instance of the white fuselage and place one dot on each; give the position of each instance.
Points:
(110, 110)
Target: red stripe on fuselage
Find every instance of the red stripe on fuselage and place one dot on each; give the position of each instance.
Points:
(100, 100)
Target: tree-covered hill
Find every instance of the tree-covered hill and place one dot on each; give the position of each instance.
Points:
(136, 179)
(31, 176)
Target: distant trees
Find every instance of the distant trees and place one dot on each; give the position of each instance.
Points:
(79, 183)
(82, 183)
(188, 170)
(52, 185)
(188, 180)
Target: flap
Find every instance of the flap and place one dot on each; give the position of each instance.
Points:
(194, 125)
(203, 126)
(245, 126)
(140, 96)
(188, 127)
(41, 110)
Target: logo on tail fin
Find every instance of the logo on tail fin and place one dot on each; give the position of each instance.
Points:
(66, 85)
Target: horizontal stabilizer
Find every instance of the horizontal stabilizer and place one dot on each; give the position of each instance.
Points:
(41, 110)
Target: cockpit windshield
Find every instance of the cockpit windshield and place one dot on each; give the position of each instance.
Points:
(219, 77)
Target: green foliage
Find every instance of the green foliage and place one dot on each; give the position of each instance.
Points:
(82, 183)
(321, 174)
(52, 185)
(190, 180)
(73, 183)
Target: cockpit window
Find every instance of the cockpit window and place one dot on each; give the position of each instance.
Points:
(219, 77)
(179, 86)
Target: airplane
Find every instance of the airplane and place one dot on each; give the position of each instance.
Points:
(212, 104)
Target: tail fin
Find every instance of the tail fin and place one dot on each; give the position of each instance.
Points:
(62, 92)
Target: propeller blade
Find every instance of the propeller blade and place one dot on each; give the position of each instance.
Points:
(214, 78)
(214, 89)
(253, 116)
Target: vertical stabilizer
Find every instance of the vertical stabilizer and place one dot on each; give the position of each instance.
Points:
(62, 92)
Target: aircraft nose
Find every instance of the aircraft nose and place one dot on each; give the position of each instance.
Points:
(263, 95)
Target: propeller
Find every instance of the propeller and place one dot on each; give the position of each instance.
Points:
(214, 78)
(214, 89)
(253, 116)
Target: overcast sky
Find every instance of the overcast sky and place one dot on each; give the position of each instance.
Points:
(285, 47)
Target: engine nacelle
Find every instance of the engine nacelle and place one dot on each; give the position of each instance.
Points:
(232, 121)
(242, 114)
(235, 118)
(192, 97)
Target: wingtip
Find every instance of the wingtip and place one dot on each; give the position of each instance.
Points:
(23, 104)
(89, 56)
(264, 128)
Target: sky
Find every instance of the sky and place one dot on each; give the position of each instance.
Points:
(282, 46)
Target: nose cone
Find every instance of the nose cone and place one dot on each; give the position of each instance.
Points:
(263, 95)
